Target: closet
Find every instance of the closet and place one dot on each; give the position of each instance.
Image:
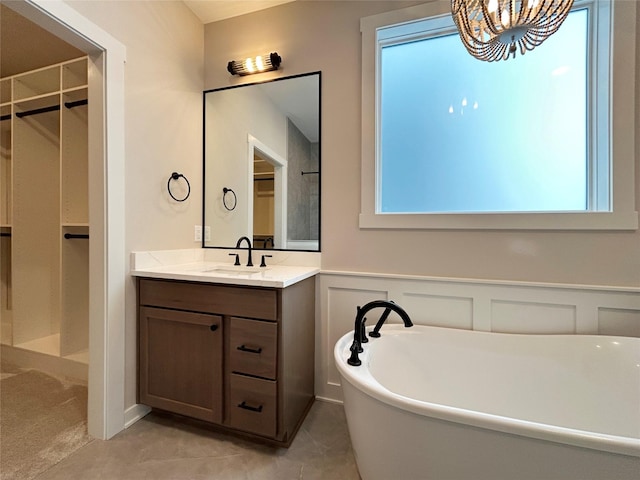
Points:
(44, 218)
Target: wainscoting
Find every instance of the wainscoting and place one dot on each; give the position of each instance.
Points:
(507, 307)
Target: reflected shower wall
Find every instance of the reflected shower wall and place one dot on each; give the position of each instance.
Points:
(303, 192)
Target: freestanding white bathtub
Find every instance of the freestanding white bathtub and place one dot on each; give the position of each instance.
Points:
(440, 403)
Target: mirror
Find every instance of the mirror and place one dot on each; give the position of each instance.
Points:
(262, 164)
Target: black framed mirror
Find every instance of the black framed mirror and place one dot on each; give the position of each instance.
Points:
(261, 160)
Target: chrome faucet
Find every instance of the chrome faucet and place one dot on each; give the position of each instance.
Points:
(359, 335)
(249, 259)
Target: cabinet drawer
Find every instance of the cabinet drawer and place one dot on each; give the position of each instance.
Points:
(202, 297)
(253, 347)
(252, 405)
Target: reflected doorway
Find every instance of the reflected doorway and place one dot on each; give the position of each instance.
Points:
(268, 216)
(263, 201)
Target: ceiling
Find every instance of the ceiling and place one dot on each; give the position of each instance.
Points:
(213, 10)
(25, 46)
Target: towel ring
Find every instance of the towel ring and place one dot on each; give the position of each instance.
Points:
(226, 190)
(176, 176)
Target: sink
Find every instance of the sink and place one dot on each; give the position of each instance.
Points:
(235, 270)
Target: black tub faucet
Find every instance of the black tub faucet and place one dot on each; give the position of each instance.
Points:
(359, 335)
(249, 259)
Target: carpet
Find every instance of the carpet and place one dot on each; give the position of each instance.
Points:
(43, 419)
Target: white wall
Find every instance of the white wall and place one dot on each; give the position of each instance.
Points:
(163, 131)
(325, 35)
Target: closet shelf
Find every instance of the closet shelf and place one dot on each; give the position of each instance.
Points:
(74, 89)
(37, 100)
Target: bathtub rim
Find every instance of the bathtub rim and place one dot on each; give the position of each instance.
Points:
(362, 379)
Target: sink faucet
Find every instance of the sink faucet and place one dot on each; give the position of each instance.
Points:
(359, 335)
(249, 259)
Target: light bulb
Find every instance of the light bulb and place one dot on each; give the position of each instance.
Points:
(248, 64)
(259, 64)
(492, 6)
(504, 18)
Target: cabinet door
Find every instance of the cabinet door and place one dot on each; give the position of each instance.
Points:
(181, 362)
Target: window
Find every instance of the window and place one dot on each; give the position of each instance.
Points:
(459, 143)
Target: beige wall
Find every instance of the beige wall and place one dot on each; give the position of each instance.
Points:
(164, 81)
(324, 35)
(163, 104)
(163, 131)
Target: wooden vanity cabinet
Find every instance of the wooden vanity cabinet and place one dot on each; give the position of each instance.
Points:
(239, 357)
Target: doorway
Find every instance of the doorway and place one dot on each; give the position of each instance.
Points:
(106, 415)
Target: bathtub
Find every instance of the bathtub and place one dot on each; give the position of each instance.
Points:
(440, 403)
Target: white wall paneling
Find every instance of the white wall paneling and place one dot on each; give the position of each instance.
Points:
(617, 321)
(526, 308)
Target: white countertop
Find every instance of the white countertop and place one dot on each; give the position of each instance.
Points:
(276, 276)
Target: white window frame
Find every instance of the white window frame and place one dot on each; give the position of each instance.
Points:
(620, 105)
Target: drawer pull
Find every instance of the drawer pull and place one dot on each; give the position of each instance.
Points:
(213, 328)
(249, 407)
(249, 350)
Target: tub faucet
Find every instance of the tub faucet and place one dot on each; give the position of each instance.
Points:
(249, 259)
(359, 335)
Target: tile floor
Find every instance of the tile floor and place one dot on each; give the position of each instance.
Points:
(164, 447)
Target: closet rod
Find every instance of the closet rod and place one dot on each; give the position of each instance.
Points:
(52, 108)
(3, 234)
(309, 173)
(5, 117)
(36, 111)
(77, 103)
(67, 236)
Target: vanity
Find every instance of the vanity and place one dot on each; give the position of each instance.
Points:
(227, 342)
(228, 345)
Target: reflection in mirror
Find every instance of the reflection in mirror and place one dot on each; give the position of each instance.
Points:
(263, 141)
(263, 199)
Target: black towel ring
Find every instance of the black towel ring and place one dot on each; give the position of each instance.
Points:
(176, 176)
(226, 190)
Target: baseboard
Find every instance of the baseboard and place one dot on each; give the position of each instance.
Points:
(51, 364)
(135, 413)
(329, 400)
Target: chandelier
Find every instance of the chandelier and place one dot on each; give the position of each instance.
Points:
(494, 29)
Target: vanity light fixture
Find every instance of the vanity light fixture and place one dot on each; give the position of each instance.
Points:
(494, 29)
(259, 64)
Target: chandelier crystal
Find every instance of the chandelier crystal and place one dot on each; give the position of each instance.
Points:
(494, 29)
